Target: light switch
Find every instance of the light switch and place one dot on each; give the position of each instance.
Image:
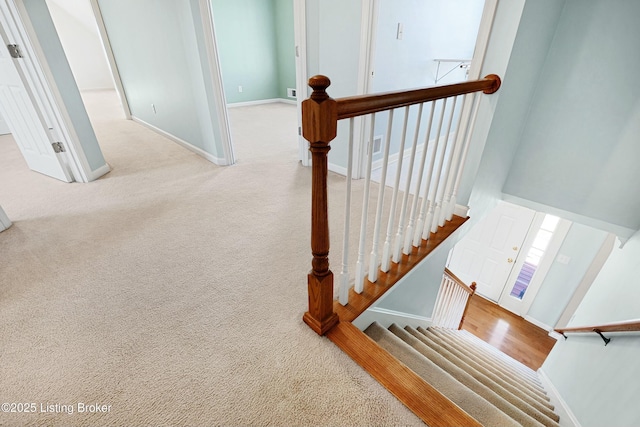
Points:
(563, 259)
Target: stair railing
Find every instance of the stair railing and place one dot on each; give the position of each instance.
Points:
(452, 301)
(431, 187)
(626, 326)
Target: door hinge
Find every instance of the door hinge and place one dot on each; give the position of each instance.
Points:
(297, 51)
(58, 147)
(14, 51)
(299, 130)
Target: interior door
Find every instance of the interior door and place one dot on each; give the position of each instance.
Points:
(487, 254)
(19, 108)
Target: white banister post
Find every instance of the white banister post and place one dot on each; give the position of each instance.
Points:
(373, 261)
(386, 251)
(360, 264)
(343, 294)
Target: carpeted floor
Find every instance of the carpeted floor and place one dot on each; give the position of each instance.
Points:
(171, 289)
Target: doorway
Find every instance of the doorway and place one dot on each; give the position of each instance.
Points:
(508, 254)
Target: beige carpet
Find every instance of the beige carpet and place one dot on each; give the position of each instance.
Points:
(171, 289)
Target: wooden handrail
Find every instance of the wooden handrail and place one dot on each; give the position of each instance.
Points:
(626, 326)
(320, 115)
(469, 289)
(366, 104)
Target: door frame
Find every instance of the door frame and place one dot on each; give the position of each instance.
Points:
(111, 60)
(549, 256)
(366, 73)
(46, 90)
(215, 74)
(300, 41)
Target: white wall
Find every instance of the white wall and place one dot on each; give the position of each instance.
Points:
(601, 384)
(78, 32)
(333, 43)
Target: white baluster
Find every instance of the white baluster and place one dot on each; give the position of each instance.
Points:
(447, 177)
(436, 205)
(344, 274)
(460, 169)
(373, 262)
(414, 209)
(422, 232)
(397, 247)
(438, 306)
(360, 264)
(386, 250)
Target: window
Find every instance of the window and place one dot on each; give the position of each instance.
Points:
(534, 255)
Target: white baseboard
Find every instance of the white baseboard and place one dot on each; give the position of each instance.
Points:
(199, 151)
(386, 317)
(567, 418)
(539, 324)
(4, 220)
(261, 102)
(337, 169)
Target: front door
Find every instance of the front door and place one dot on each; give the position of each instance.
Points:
(18, 105)
(487, 254)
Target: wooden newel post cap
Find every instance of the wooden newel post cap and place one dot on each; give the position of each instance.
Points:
(319, 113)
(319, 84)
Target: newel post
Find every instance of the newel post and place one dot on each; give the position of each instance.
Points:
(319, 127)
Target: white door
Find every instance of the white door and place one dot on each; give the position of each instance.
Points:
(487, 254)
(19, 108)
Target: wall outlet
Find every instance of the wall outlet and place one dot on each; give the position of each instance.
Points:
(240, 89)
(291, 93)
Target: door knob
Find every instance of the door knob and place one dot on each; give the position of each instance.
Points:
(510, 260)
(515, 248)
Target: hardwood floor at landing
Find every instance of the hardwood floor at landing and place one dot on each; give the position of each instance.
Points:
(507, 332)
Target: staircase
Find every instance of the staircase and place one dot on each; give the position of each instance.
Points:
(488, 385)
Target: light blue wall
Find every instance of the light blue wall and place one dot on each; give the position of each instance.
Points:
(600, 384)
(160, 62)
(579, 146)
(502, 115)
(581, 244)
(247, 46)
(48, 39)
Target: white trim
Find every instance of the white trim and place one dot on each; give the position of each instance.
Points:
(538, 323)
(49, 94)
(386, 317)
(337, 169)
(482, 40)
(4, 220)
(461, 211)
(302, 89)
(261, 102)
(111, 60)
(567, 417)
(199, 151)
(219, 97)
(102, 170)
